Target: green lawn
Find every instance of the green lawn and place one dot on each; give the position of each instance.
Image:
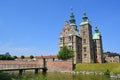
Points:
(113, 67)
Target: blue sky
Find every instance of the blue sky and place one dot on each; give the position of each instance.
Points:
(32, 27)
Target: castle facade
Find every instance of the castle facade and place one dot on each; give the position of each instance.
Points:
(87, 47)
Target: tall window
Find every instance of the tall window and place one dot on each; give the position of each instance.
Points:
(83, 27)
(85, 55)
(78, 48)
(61, 39)
(78, 55)
(61, 48)
(84, 41)
(78, 40)
(83, 33)
(70, 38)
(70, 47)
(84, 49)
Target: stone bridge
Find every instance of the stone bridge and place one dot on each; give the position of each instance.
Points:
(22, 65)
(44, 64)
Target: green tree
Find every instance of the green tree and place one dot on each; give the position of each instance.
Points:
(7, 57)
(65, 53)
(31, 56)
(14, 57)
(1, 57)
(22, 56)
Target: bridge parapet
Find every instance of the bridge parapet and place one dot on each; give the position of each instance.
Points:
(15, 65)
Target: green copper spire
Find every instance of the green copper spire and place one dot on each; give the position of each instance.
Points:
(72, 19)
(73, 23)
(85, 18)
(97, 34)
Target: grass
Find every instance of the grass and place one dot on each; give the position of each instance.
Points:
(112, 67)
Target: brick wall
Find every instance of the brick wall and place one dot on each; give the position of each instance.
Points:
(51, 64)
(59, 66)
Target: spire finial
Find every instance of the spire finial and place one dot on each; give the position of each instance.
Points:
(71, 9)
(84, 13)
(71, 12)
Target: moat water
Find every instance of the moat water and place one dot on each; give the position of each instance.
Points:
(61, 76)
(56, 76)
(68, 76)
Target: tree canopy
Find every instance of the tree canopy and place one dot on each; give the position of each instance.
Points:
(22, 56)
(15, 57)
(31, 56)
(6, 56)
(2, 57)
(65, 53)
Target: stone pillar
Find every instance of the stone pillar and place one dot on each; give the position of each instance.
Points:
(44, 70)
(36, 71)
(20, 72)
(44, 62)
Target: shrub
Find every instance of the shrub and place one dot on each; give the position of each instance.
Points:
(107, 72)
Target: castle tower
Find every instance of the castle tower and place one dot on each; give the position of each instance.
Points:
(70, 37)
(78, 41)
(87, 41)
(98, 45)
